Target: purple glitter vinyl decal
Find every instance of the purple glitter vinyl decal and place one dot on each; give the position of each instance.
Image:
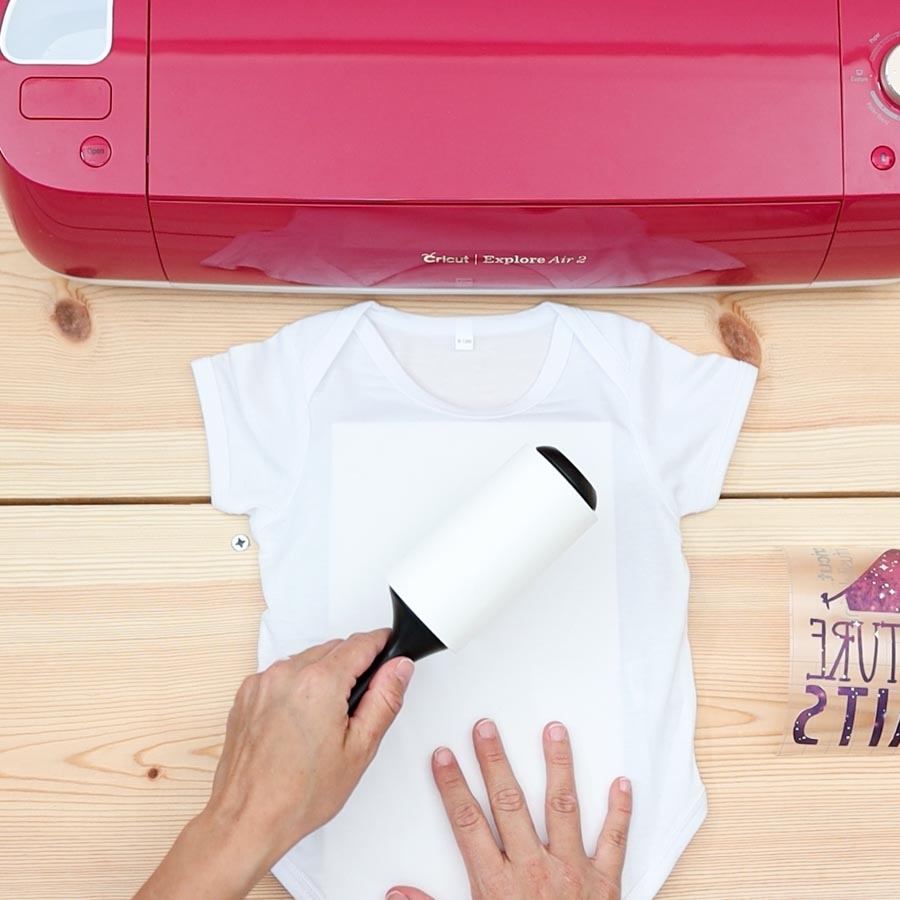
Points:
(845, 656)
(877, 589)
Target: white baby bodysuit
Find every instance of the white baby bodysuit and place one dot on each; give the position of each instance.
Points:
(349, 433)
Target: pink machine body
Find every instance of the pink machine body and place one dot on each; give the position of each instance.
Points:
(577, 145)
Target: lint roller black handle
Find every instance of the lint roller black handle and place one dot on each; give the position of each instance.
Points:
(409, 637)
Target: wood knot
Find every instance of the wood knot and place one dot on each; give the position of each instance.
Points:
(153, 773)
(739, 338)
(73, 319)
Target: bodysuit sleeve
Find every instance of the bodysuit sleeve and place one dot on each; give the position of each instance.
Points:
(255, 414)
(689, 410)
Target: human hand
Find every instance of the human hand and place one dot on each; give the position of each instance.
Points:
(291, 758)
(526, 868)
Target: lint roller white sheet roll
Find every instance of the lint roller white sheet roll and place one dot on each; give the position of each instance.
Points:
(491, 547)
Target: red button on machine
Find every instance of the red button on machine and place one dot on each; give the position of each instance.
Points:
(95, 151)
(883, 158)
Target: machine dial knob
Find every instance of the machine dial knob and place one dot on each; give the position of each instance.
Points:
(890, 74)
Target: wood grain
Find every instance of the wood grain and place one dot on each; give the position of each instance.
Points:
(98, 399)
(127, 630)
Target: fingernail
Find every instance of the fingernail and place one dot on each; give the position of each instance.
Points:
(625, 785)
(442, 756)
(397, 895)
(404, 670)
(486, 728)
(557, 732)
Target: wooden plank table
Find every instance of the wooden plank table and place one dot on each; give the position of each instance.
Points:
(128, 621)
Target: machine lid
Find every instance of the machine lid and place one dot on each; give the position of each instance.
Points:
(481, 100)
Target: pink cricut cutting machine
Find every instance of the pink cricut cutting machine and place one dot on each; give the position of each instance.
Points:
(569, 146)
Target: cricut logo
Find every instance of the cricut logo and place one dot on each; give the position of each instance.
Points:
(432, 258)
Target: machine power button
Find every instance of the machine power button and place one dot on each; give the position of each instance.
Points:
(890, 74)
(883, 158)
(95, 151)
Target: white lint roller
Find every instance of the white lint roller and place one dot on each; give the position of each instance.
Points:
(482, 555)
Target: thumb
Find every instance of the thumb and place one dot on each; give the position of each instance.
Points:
(407, 893)
(381, 703)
